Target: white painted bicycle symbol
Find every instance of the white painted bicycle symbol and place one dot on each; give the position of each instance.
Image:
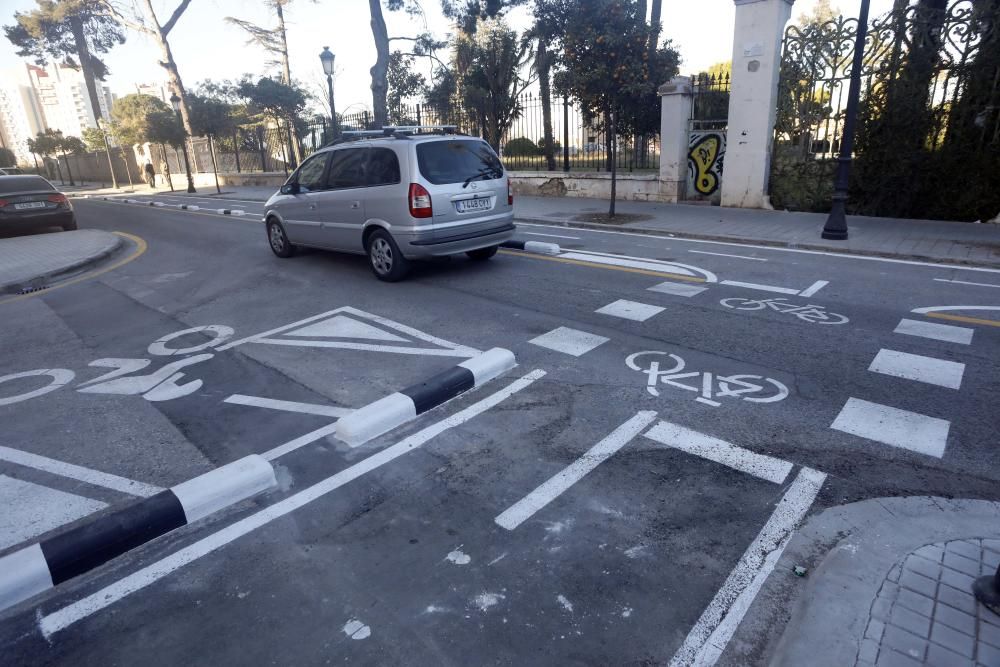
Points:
(808, 313)
(161, 385)
(708, 386)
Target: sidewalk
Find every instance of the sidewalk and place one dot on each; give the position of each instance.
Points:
(32, 262)
(927, 240)
(888, 585)
(924, 240)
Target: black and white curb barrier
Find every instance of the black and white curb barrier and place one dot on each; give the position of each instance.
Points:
(387, 413)
(532, 246)
(42, 565)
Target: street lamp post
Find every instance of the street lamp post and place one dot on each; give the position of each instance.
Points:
(326, 57)
(836, 224)
(175, 102)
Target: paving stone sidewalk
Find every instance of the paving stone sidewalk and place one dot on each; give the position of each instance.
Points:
(28, 262)
(925, 613)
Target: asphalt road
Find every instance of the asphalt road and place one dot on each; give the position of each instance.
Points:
(456, 550)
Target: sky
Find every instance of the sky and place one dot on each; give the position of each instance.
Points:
(206, 47)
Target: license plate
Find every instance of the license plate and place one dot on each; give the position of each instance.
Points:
(473, 205)
(30, 204)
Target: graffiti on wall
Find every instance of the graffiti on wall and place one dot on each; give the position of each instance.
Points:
(705, 153)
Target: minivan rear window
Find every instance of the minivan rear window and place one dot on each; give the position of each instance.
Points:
(457, 161)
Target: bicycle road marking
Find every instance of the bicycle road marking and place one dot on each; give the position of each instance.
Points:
(711, 385)
(808, 313)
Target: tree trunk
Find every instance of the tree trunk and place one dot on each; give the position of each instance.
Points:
(379, 70)
(613, 145)
(286, 72)
(168, 63)
(215, 165)
(166, 167)
(87, 69)
(543, 64)
(654, 30)
(69, 170)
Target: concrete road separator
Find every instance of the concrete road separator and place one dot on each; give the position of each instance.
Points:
(396, 409)
(533, 246)
(40, 566)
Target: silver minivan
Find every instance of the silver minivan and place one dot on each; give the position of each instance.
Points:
(396, 195)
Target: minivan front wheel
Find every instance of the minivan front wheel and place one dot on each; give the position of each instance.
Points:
(278, 240)
(386, 260)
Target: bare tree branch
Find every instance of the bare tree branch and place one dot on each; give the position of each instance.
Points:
(169, 25)
(114, 12)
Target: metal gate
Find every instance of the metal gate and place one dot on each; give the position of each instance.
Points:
(707, 136)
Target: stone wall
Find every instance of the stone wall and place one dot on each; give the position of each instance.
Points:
(630, 186)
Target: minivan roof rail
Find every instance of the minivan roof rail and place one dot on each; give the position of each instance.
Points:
(392, 131)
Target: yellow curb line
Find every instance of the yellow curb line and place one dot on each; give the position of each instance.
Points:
(141, 247)
(963, 318)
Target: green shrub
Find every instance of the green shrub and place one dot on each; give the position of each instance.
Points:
(521, 147)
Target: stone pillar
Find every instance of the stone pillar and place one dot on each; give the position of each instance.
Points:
(675, 112)
(760, 26)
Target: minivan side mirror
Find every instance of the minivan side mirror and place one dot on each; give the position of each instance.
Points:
(290, 188)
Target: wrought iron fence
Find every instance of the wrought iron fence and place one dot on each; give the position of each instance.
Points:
(247, 149)
(929, 112)
(578, 144)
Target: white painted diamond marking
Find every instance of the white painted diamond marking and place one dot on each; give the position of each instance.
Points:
(569, 341)
(677, 289)
(630, 310)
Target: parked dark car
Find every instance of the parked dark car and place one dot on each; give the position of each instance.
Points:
(30, 203)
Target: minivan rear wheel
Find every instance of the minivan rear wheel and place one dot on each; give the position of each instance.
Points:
(482, 254)
(278, 239)
(386, 260)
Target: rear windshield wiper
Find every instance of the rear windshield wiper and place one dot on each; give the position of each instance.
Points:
(486, 171)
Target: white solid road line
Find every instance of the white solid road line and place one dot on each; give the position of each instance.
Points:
(630, 310)
(79, 473)
(945, 332)
(569, 341)
(525, 508)
(918, 367)
(815, 287)
(554, 236)
(762, 288)
(70, 614)
(941, 309)
(722, 254)
(759, 465)
(755, 246)
(289, 406)
(965, 282)
(211, 199)
(708, 638)
(894, 427)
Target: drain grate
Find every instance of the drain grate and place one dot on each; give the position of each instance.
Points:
(32, 290)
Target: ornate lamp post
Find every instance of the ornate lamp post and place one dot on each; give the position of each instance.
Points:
(175, 102)
(836, 223)
(326, 57)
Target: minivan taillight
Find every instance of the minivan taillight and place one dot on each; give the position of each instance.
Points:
(510, 193)
(420, 201)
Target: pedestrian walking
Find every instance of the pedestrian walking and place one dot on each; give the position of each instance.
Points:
(150, 174)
